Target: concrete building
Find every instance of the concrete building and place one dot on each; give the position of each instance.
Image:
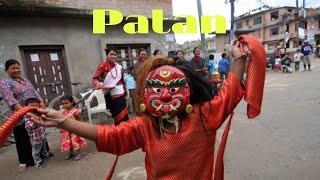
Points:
(279, 26)
(221, 41)
(54, 42)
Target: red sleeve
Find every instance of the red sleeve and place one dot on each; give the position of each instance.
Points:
(223, 104)
(120, 139)
(98, 75)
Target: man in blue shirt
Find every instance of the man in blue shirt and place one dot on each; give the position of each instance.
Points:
(223, 66)
(306, 50)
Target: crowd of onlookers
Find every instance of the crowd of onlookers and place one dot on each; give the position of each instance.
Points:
(207, 68)
(283, 62)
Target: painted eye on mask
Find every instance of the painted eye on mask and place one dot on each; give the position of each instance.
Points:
(174, 90)
(156, 90)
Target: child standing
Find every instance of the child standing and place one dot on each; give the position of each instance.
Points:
(131, 86)
(297, 58)
(70, 142)
(211, 65)
(277, 66)
(37, 136)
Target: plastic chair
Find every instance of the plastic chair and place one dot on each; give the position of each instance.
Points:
(100, 108)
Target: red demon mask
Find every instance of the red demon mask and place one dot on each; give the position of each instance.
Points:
(166, 93)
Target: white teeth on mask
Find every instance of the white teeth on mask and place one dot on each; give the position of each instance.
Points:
(160, 107)
(173, 108)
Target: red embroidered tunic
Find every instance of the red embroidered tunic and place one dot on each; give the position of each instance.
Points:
(101, 72)
(189, 154)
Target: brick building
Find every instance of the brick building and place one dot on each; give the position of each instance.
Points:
(54, 42)
(279, 26)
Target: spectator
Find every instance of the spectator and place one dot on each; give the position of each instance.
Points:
(286, 64)
(157, 52)
(277, 65)
(318, 51)
(69, 142)
(306, 50)
(131, 86)
(211, 65)
(172, 54)
(198, 63)
(297, 59)
(180, 60)
(268, 63)
(142, 57)
(277, 52)
(272, 62)
(16, 90)
(180, 56)
(223, 66)
(37, 136)
(109, 77)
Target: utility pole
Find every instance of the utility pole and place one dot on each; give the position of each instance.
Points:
(297, 38)
(202, 36)
(231, 35)
(304, 13)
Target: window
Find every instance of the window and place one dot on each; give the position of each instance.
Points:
(239, 25)
(287, 27)
(305, 25)
(274, 31)
(275, 15)
(247, 22)
(257, 20)
(296, 27)
(288, 44)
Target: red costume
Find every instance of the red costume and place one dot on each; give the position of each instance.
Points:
(185, 155)
(188, 153)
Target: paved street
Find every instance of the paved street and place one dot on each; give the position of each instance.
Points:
(282, 143)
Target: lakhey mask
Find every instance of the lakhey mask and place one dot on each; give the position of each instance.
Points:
(166, 93)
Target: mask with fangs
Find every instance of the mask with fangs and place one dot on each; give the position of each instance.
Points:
(166, 94)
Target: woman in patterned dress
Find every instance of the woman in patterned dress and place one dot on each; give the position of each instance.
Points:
(15, 89)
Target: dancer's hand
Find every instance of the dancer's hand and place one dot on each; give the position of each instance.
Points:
(47, 117)
(235, 50)
(53, 118)
(238, 65)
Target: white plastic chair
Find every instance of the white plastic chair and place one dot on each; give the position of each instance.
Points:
(100, 108)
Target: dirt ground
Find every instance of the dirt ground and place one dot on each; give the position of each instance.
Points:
(283, 143)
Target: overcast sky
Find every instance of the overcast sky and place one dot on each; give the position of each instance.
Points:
(218, 7)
